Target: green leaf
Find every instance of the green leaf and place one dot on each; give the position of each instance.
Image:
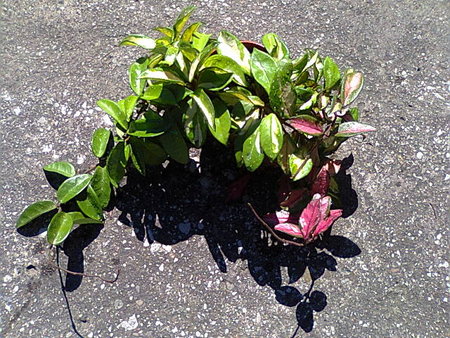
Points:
(116, 162)
(159, 74)
(59, 228)
(113, 109)
(175, 146)
(79, 218)
(150, 125)
(167, 31)
(230, 46)
(200, 40)
(127, 106)
(138, 40)
(134, 74)
(271, 135)
(152, 92)
(90, 205)
(251, 152)
(194, 124)
(146, 153)
(354, 113)
(196, 63)
(206, 107)
(33, 211)
(228, 65)
(300, 167)
(72, 187)
(331, 73)
(282, 94)
(189, 32)
(214, 79)
(102, 185)
(183, 17)
(63, 168)
(99, 143)
(222, 122)
(275, 47)
(263, 68)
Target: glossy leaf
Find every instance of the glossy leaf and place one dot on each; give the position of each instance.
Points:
(127, 106)
(138, 40)
(152, 92)
(275, 47)
(63, 168)
(116, 162)
(306, 124)
(200, 40)
(330, 72)
(33, 211)
(271, 135)
(200, 58)
(102, 186)
(299, 167)
(79, 218)
(195, 125)
(190, 31)
(230, 46)
(159, 74)
(59, 228)
(150, 125)
(72, 187)
(222, 122)
(137, 84)
(206, 107)
(351, 86)
(113, 109)
(147, 153)
(282, 94)
(348, 129)
(228, 65)
(252, 152)
(290, 229)
(175, 146)
(167, 31)
(214, 79)
(90, 205)
(183, 17)
(263, 68)
(99, 143)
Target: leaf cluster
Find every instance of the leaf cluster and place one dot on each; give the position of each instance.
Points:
(190, 86)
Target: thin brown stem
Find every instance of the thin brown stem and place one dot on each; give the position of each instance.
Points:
(111, 281)
(271, 230)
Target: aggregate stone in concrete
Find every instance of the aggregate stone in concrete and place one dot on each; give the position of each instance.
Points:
(196, 277)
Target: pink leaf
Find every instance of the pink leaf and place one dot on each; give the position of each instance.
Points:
(314, 213)
(327, 222)
(306, 124)
(290, 229)
(280, 217)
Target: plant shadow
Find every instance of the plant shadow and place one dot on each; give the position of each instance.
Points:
(178, 201)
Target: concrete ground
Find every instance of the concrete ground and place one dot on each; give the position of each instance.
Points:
(59, 57)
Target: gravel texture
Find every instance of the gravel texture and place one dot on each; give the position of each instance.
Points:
(385, 271)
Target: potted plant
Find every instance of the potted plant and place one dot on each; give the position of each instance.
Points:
(270, 108)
